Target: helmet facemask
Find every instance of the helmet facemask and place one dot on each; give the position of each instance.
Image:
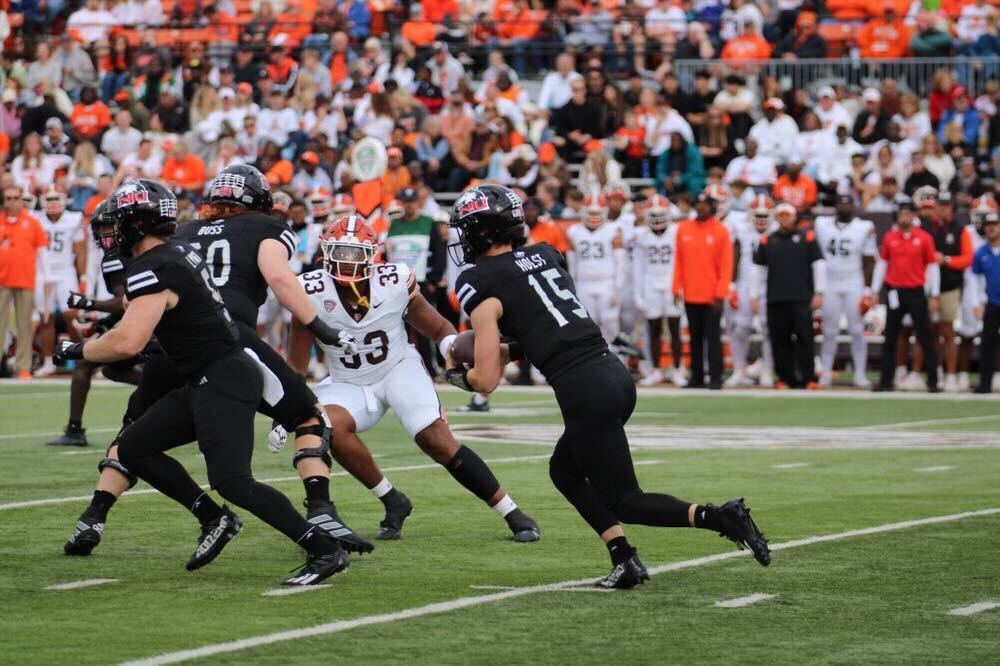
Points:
(348, 260)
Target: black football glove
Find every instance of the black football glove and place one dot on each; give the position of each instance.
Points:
(458, 377)
(68, 351)
(79, 302)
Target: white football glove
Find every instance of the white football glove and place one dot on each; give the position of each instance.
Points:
(347, 342)
(277, 438)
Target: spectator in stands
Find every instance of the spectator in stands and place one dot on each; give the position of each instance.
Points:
(972, 24)
(928, 41)
(277, 121)
(750, 45)
(77, 67)
(591, 26)
(739, 14)
(758, 171)
(396, 177)
(813, 143)
(938, 162)
(184, 171)
(848, 11)
(33, 171)
(90, 117)
(961, 114)
(578, 122)
(122, 139)
(736, 100)
(310, 175)
(417, 32)
(940, 98)
(914, 124)
(871, 122)
(796, 188)
(697, 46)
(831, 112)
(776, 133)
(92, 21)
(173, 115)
(446, 70)
(147, 162)
(716, 139)
(10, 120)
(258, 30)
(518, 31)
(804, 42)
(966, 186)
(471, 155)
(376, 118)
(680, 168)
(919, 175)
(884, 36)
(55, 141)
(883, 162)
(44, 69)
(85, 170)
(888, 198)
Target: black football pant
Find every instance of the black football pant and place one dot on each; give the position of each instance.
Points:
(216, 409)
(790, 326)
(914, 303)
(988, 346)
(704, 325)
(591, 464)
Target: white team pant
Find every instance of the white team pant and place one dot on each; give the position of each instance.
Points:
(407, 389)
(628, 314)
(844, 301)
(660, 303)
(599, 300)
(269, 314)
(741, 326)
(969, 326)
(60, 286)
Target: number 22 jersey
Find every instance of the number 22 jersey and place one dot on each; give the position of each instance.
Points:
(380, 331)
(540, 307)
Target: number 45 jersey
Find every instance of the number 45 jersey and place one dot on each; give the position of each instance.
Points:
(380, 330)
(540, 307)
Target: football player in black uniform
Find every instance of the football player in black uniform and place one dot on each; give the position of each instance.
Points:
(526, 294)
(171, 293)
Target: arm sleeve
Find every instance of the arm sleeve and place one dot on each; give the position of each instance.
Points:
(620, 266)
(726, 263)
(142, 282)
(819, 276)
(273, 229)
(470, 291)
(878, 275)
(933, 280)
(963, 259)
(676, 286)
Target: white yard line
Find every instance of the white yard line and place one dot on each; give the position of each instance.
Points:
(790, 466)
(280, 479)
(77, 584)
(285, 591)
(492, 587)
(81, 452)
(936, 468)
(931, 422)
(468, 602)
(740, 602)
(648, 462)
(23, 435)
(975, 608)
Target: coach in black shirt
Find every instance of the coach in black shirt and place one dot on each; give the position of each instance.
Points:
(796, 276)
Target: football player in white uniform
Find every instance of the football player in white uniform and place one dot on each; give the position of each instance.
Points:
(597, 264)
(621, 213)
(66, 261)
(655, 246)
(374, 302)
(973, 293)
(747, 230)
(849, 247)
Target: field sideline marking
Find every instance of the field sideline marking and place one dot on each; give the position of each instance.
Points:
(468, 602)
(975, 608)
(77, 584)
(298, 589)
(280, 479)
(740, 602)
(20, 435)
(790, 465)
(926, 422)
(936, 468)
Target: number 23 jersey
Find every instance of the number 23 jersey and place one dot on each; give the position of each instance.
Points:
(380, 331)
(540, 307)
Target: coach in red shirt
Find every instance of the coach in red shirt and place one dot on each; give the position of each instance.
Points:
(908, 267)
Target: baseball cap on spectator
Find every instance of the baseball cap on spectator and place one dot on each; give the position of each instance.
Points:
(123, 97)
(227, 93)
(407, 194)
(53, 123)
(774, 103)
(309, 157)
(827, 91)
(959, 91)
(889, 179)
(785, 207)
(871, 95)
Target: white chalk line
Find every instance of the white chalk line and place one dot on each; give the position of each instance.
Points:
(565, 589)
(280, 479)
(503, 595)
(25, 435)
(740, 602)
(974, 608)
(797, 465)
(298, 589)
(931, 422)
(935, 468)
(81, 452)
(77, 584)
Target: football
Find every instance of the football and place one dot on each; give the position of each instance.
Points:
(463, 348)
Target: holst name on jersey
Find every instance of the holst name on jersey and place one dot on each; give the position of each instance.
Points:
(528, 264)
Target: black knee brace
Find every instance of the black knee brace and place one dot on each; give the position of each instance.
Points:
(322, 451)
(118, 467)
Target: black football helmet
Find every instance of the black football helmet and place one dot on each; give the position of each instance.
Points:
(102, 227)
(141, 207)
(242, 185)
(484, 216)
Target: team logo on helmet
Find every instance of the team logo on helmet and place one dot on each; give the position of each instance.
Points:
(473, 202)
(131, 193)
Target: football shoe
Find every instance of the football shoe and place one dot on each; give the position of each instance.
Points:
(214, 537)
(524, 529)
(325, 517)
(72, 436)
(86, 535)
(396, 511)
(320, 567)
(626, 575)
(737, 526)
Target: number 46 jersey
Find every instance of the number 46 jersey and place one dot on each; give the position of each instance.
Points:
(380, 331)
(540, 307)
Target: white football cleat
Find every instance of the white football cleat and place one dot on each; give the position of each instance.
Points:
(754, 369)
(48, 369)
(677, 378)
(653, 378)
(737, 379)
(913, 382)
(963, 381)
(950, 384)
(767, 378)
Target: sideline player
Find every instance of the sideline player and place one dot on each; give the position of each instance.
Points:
(596, 260)
(973, 295)
(170, 293)
(374, 302)
(527, 295)
(655, 245)
(65, 263)
(849, 247)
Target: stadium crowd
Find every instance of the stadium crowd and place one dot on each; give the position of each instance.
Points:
(580, 106)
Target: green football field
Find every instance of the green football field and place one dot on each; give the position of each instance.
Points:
(884, 516)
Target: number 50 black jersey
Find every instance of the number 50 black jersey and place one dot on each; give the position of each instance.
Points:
(540, 307)
(230, 248)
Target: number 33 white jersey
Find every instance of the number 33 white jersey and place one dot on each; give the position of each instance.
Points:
(844, 246)
(380, 331)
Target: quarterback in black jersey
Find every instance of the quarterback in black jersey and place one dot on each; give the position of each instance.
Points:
(525, 293)
(171, 293)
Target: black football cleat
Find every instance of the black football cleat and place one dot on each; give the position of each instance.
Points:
(738, 527)
(320, 567)
(625, 576)
(396, 511)
(326, 518)
(473, 406)
(523, 528)
(86, 535)
(623, 345)
(214, 537)
(72, 436)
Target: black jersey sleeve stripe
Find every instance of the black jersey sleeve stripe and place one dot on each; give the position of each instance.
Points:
(141, 280)
(112, 265)
(290, 241)
(466, 292)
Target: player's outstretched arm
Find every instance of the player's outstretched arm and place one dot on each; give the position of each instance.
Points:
(300, 342)
(131, 335)
(428, 322)
(485, 375)
(272, 260)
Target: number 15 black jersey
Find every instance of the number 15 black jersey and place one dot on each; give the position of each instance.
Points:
(230, 248)
(540, 307)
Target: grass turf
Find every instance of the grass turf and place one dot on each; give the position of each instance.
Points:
(878, 598)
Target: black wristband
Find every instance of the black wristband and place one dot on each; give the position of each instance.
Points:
(324, 333)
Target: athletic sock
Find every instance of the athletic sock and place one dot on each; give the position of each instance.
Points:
(469, 469)
(620, 550)
(205, 509)
(707, 518)
(317, 490)
(100, 505)
(382, 489)
(479, 399)
(75, 424)
(504, 506)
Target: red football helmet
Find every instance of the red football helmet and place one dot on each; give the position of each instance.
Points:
(762, 209)
(343, 206)
(320, 203)
(349, 249)
(595, 211)
(982, 208)
(394, 210)
(658, 212)
(718, 194)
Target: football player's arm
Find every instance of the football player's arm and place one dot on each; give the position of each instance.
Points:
(485, 375)
(428, 322)
(639, 275)
(272, 260)
(571, 258)
(80, 258)
(618, 252)
(300, 342)
(133, 333)
(963, 259)
(438, 263)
